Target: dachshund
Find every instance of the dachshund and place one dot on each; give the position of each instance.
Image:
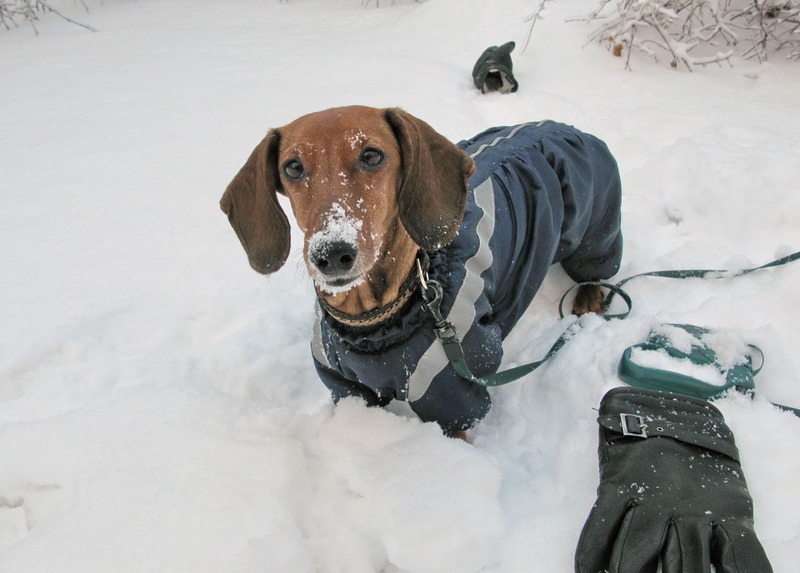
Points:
(382, 199)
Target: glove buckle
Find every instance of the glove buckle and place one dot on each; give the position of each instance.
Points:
(638, 430)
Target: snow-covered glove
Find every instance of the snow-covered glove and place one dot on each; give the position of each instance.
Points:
(671, 491)
(492, 71)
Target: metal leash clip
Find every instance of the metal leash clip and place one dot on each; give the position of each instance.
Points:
(432, 295)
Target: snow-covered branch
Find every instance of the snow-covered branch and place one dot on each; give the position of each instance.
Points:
(693, 33)
(699, 32)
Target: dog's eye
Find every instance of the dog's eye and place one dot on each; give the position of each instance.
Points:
(371, 158)
(293, 169)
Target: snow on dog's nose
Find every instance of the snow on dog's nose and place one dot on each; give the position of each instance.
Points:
(333, 255)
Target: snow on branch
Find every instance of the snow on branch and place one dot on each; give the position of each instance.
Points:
(693, 33)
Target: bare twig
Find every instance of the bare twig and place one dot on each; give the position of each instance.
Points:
(532, 19)
(29, 11)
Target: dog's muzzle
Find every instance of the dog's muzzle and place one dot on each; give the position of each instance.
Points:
(334, 257)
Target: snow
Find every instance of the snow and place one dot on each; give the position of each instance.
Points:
(158, 406)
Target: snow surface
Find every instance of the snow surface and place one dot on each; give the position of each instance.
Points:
(158, 406)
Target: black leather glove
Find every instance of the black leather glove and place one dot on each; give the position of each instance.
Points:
(671, 491)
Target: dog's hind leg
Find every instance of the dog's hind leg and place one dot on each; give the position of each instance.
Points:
(589, 299)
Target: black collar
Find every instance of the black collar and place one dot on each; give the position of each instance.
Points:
(382, 313)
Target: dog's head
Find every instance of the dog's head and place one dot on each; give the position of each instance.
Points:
(350, 175)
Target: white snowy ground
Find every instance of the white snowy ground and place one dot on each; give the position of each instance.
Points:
(158, 406)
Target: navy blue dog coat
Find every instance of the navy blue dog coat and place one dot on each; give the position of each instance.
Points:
(542, 193)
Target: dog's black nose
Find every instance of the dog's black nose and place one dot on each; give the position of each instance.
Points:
(335, 258)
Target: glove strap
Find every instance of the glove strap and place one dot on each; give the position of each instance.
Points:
(645, 414)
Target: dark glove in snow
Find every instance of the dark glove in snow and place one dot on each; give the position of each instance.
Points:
(672, 491)
(492, 71)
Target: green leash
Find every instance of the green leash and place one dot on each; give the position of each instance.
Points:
(682, 274)
(432, 294)
(448, 337)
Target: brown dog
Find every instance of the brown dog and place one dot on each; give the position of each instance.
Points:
(371, 189)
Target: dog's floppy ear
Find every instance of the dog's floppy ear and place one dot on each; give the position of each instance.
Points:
(253, 210)
(433, 186)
